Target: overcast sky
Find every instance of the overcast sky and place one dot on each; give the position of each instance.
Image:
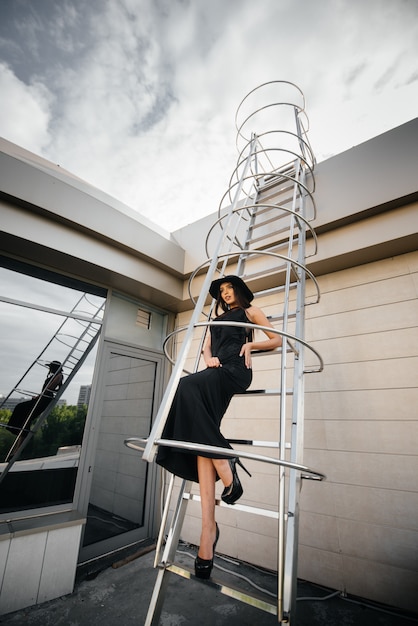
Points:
(138, 97)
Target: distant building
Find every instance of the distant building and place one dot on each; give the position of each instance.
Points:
(10, 403)
(84, 395)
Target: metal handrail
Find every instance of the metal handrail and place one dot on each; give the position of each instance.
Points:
(285, 258)
(276, 331)
(131, 442)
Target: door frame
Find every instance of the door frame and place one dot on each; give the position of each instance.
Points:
(82, 496)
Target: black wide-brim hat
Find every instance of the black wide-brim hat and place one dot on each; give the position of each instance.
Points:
(235, 281)
(54, 366)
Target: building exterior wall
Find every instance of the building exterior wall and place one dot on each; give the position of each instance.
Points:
(358, 528)
(37, 560)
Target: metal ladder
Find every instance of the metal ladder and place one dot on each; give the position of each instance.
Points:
(71, 343)
(264, 225)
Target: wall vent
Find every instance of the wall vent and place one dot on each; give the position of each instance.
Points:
(143, 319)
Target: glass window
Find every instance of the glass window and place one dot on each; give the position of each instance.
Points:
(49, 327)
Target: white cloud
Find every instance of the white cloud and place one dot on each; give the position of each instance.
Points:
(24, 111)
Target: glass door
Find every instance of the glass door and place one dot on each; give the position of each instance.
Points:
(120, 509)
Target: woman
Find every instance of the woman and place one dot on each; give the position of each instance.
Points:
(37, 404)
(25, 413)
(201, 401)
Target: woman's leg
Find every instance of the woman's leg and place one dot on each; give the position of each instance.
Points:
(207, 470)
(223, 469)
(207, 476)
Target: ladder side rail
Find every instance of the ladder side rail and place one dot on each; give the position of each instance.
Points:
(304, 142)
(253, 215)
(248, 202)
(283, 413)
(290, 573)
(242, 258)
(296, 452)
(252, 147)
(157, 598)
(161, 418)
(164, 518)
(283, 527)
(80, 341)
(40, 420)
(265, 153)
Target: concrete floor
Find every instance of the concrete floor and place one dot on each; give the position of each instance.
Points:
(118, 594)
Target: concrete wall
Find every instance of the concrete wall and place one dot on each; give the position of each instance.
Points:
(358, 528)
(32, 554)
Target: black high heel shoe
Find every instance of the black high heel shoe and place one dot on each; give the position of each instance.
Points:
(232, 493)
(203, 567)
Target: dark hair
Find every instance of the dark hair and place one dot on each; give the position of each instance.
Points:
(240, 297)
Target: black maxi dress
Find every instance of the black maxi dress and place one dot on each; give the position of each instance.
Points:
(202, 398)
(35, 406)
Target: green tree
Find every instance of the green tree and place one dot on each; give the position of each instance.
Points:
(64, 426)
(6, 438)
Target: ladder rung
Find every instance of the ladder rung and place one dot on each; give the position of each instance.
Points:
(258, 601)
(266, 210)
(278, 318)
(238, 506)
(270, 234)
(274, 197)
(278, 289)
(261, 274)
(258, 444)
(264, 392)
(273, 178)
(287, 181)
(277, 231)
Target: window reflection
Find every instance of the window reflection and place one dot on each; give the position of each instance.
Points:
(48, 341)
